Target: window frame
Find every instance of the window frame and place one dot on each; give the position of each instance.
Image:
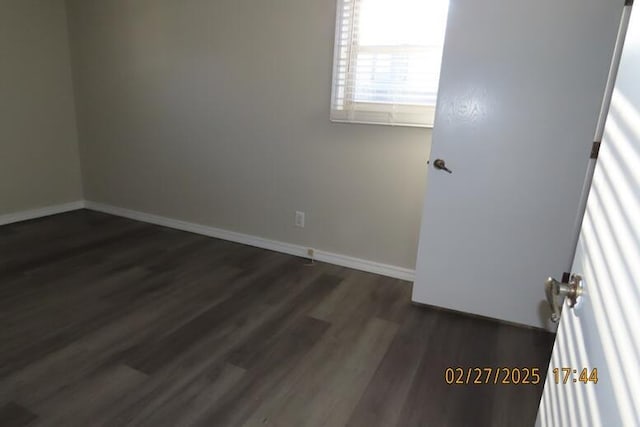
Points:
(344, 107)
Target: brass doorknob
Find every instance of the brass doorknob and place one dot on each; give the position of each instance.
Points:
(440, 165)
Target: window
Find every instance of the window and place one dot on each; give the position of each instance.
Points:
(387, 61)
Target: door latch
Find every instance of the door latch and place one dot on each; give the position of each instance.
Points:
(558, 291)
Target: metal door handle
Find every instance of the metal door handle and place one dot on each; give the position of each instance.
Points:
(440, 165)
(557, 291)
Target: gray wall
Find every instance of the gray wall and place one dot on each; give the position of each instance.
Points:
(39, 163)
(217, 112)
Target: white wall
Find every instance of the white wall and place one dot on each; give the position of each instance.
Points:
(217, 112)
(39, 163)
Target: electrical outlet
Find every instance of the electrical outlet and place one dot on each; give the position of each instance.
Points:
(299, 219)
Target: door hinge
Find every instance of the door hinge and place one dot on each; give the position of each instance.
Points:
(595, 150)
(628, 2)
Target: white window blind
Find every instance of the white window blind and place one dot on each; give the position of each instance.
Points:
(387, 61)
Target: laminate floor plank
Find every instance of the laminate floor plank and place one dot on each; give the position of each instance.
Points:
(194, 400)
(263, 380)
(14, 415)
(324, 388)
(516, 347)
(250, 352)
(137, 326)
(383, 400)
(471, 403)
(163, 352)
(84, 402)
(212, 349)
(108, 321)
(326, 385)
(430, 395)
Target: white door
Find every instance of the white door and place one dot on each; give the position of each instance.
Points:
(603, 331)
(520, 92)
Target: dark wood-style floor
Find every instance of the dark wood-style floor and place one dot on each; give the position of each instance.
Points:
(108, 321)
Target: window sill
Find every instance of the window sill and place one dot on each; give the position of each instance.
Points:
(364, 122)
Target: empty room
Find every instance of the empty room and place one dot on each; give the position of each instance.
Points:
(291, 213)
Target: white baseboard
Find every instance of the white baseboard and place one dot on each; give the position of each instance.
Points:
(287, 248)
(40, 212)
(274, 245)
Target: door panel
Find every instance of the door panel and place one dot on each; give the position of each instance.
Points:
(603, 332)
(520, 92)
